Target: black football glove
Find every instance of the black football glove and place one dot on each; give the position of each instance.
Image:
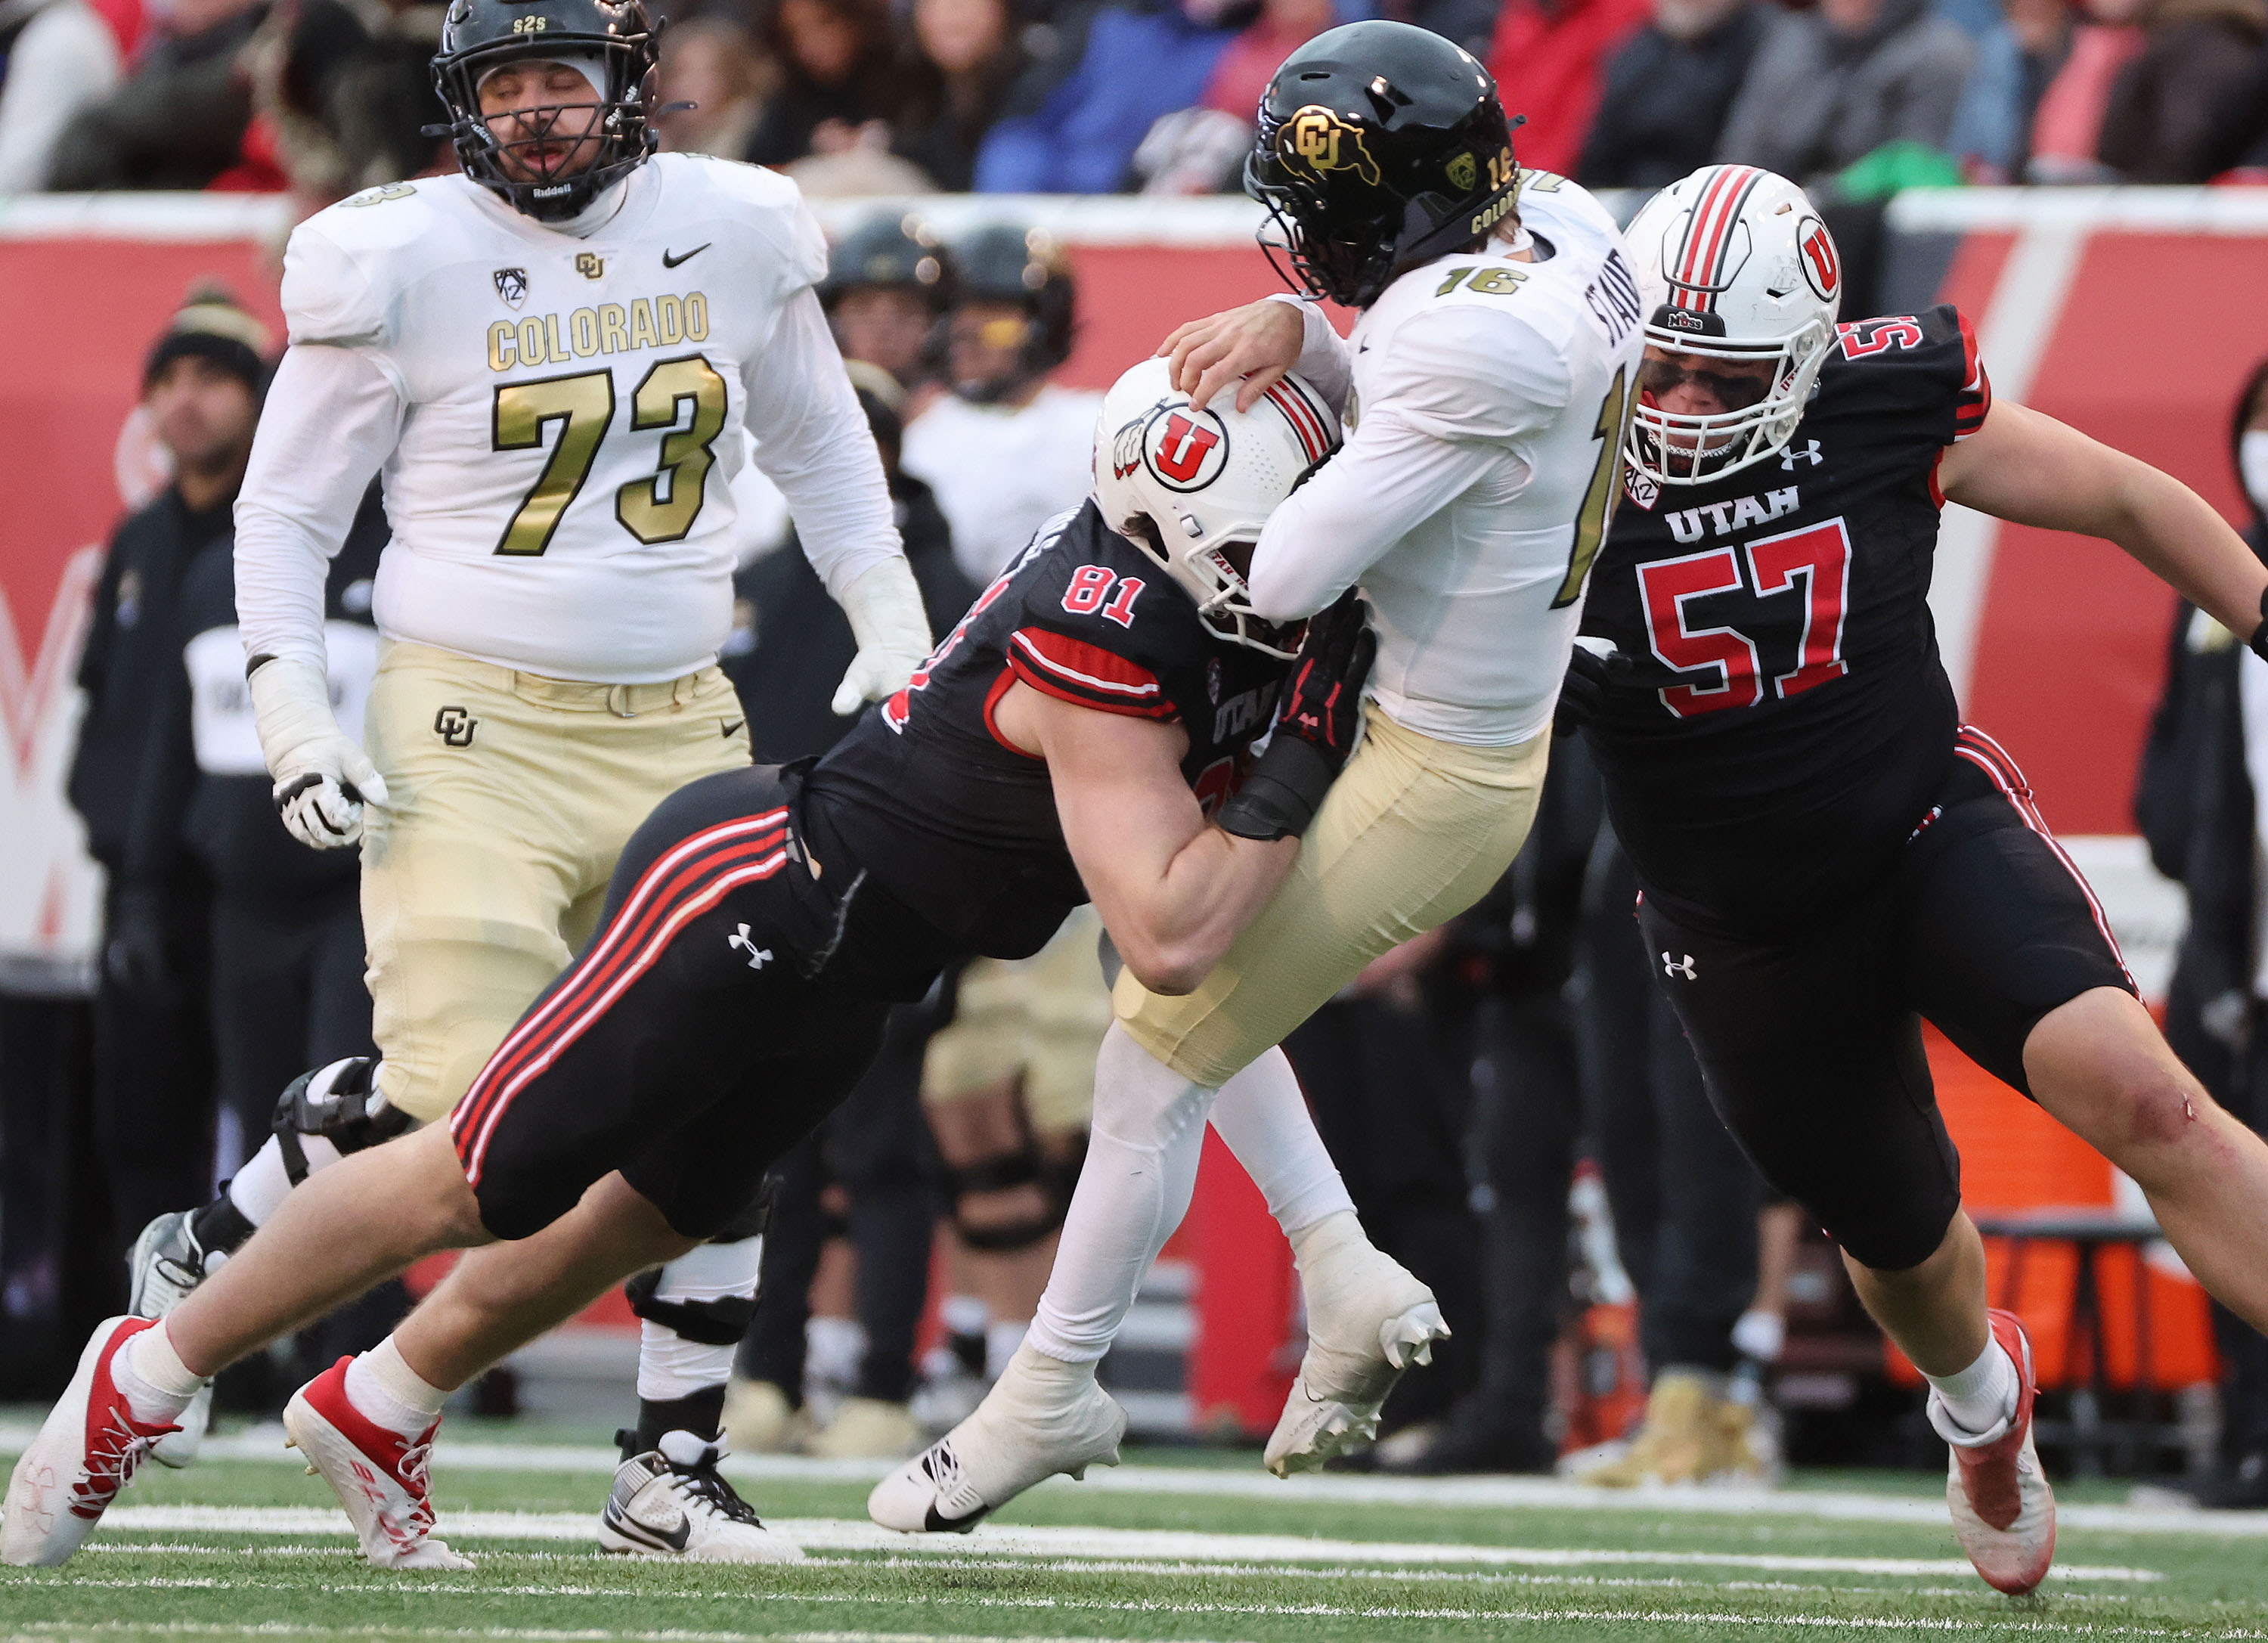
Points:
(1315, 728)
(1583, 692)
(2258, 643)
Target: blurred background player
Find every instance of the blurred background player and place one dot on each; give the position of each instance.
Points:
(558, 438)
(861, 1186)
(1006, 449)
(889, 286)
(201, 389)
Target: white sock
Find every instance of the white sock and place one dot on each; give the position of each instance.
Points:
(1001, 1340)
(833, 1349)
(1980, 1401)
(964, 1314)
(669, 1365)
(382, 1386)
(261, 1187)
(1141, 1168)
(1264, 1117)
(158, 1384)
(1760, 1335)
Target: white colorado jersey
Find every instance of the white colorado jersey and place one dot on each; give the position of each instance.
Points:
(1001, 472)
(567, 414)
(1486, 399)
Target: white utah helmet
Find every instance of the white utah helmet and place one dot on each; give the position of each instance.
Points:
(1734, 263)
(1190, 486)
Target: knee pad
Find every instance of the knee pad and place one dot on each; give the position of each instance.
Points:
(715, 1323)
(1026, 1167)
(338, 1104)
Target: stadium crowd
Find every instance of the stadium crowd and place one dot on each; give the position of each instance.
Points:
(1854, 98)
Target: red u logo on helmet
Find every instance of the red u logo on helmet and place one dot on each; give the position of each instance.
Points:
(1182, 449)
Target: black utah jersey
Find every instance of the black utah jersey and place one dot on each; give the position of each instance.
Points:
(961, 827)
(1788, 718)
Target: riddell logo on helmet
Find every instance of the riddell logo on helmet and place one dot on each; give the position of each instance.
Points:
(1320, 142)
(1184, 450)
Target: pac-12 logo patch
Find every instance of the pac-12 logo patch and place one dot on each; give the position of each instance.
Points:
(1822, 269)
(1642, 488)
(1184, 449)
(512, 286)
(1318, 141)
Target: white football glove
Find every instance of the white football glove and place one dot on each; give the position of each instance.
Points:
(322, 780)
(885, 607)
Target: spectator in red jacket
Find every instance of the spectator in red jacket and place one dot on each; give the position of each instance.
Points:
(1548, 58)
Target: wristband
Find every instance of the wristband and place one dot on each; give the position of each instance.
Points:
(1281, 796)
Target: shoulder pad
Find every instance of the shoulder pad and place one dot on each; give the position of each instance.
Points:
(1100, 624)
(763, 201)
(1926, 364)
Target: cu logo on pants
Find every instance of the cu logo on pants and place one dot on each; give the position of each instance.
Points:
(455, 726)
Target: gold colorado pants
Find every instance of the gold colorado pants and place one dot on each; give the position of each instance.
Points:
(511, 795)
(1414, 831)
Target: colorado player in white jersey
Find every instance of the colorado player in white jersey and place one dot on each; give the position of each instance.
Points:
(1486, 388)
(557, 360)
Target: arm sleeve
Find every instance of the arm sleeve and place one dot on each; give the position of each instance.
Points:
(1464, 387)
(1324, 359)
(814, 443)
(331, 417)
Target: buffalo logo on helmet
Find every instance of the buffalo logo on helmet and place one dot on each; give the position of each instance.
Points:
(1185, 449)
(1462, 170)
(1319, 142)
(512, 286)
(1821, 267)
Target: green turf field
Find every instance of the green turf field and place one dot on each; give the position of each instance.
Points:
(1173, 1544)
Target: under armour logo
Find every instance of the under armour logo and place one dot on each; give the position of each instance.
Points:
(1810, 454)
(758, 957)
(1669, 966)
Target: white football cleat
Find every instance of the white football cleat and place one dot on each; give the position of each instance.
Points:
(1368, 1320)
(379, 1476)
(164, 1269)
(87, 1450)
(671, 1502)
(1042, 1417)
(2002, 1511)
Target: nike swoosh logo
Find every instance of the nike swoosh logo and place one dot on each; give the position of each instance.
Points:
(733, 725)
(669, 261)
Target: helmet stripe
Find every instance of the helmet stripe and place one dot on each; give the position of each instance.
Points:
(1697, 228)
(1306, 423)
(1711, 235)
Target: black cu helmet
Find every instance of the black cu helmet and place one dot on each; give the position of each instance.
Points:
(1381, 146)
(1005, 263)
(891, 250)
(478, 35)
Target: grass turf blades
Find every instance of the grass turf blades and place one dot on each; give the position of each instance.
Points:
(1071, 1561)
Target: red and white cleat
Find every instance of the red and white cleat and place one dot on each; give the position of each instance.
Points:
(87, 1451)
(2003, 1510)
(379, 1476)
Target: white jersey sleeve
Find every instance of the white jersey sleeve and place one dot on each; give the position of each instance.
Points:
(1461, 389)
(1325, 359)
(330, 421)
(1487, 401)
(812, 442)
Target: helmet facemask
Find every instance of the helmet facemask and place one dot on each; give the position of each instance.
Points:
(1213, 575)
(1688, 448)
(621, 135)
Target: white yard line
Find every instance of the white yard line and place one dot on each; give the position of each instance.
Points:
(589, 1634)
(1174, 1547)
(1064, 1605)
(1340, 1490)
